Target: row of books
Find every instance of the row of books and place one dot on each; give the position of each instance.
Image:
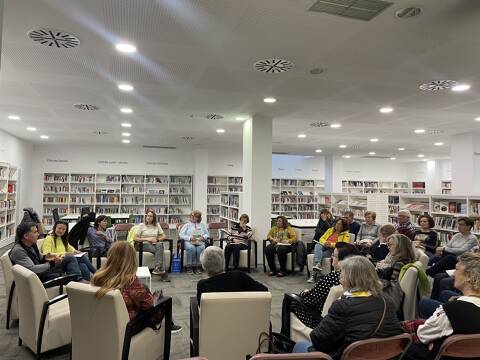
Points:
(457, 207)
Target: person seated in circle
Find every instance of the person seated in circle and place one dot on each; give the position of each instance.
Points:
(238, 240)
(282, 237)
(194, 234)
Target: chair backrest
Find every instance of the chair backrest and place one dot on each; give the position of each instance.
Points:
(409, 285)
(248, 316)
(300, 356)
(122, 230)
(460, 346)
(352, 237)
(31, 296)
(7, 272)
(377, 349)
(333, 295)
(40, 245)
(98, 325)
(164, 226)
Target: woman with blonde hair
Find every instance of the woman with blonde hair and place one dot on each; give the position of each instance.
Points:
(361, 313)
(119, 273)
(400, 253)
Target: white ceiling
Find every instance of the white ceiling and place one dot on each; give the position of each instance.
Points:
(196, 57)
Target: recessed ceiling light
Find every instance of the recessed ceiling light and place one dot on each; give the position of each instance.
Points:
(438, 144)
(125, 48)
(401, 149)
(420, 155)
(241, 118)
(126, 141)
(461, 87)
(269, 100)
(44, 137)
(126, 134)
(126, 110)
(346, 156)
(220, 131)
(301, 136)
(31, 128)
(419, 131)
(393, 158)
(386, 110)
(342, 146)
(318, 150)
(126, 125)
(125, 87)
(374, 140)
(14, 117)
(478, 118)
(371, 153)
(335, 126)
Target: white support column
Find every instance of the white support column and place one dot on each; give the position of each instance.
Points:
(257, 175)
(200, 182)
(434, 178)
(465, 153)
(333, 174)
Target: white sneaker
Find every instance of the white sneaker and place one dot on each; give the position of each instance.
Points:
(311, 280)
(317, 267)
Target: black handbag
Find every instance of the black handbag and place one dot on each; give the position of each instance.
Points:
(277, 343)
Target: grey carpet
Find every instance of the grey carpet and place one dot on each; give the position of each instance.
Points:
(181, 288)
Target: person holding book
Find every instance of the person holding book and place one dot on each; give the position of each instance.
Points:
(445, 257)
(404, 226)
(194, 234)
(282, 237)
(237, 238)
(57, 244)
(325, 246)
(368, 233)
(425, 237)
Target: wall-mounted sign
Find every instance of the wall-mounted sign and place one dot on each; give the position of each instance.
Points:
(156, 163)
(112, 162)
(57, 160)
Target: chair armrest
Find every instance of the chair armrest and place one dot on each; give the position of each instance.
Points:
(60, 281)
(170, 244)
(142, 321)
(194, 326)
(43, 318)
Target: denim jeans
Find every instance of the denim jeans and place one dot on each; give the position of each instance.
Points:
(70, 266)
(86, 267)
(301, 347)
(427, 307)
(320, 252)
(157, 250)
(193, 252)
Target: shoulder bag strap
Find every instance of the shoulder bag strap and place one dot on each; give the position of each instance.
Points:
(382, 318)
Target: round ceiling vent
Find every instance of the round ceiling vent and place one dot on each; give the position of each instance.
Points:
(273, 66)
(213, 117)
(86, 107)
(187, 138)
(438, 85)
(320, 124)
(99, 132)
(435, 131)
(408, 12)
(54, 38)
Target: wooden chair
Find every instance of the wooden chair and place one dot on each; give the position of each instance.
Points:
(302, 356)
(378, 349)
(460, 346)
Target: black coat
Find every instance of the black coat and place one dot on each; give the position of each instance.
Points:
(351, 319)
(322, 226)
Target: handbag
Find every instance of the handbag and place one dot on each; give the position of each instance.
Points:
(277, 343)
(380, 323)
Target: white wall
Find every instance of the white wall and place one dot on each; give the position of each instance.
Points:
(298, 167)
(19, 153)
(373, 169)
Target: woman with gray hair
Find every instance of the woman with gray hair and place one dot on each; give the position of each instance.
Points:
(213, 263)
(360, 314)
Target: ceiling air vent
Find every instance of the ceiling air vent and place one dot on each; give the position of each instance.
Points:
(375, 157)
(158, 147)
(273, 66)
(86, 107)
(319, 124)
(408, 12)
(214, 117)
(99, 132)
(54, 38)
(187, 138)
(435, 132)
(280, 153)
(354, 9)
(438, 85)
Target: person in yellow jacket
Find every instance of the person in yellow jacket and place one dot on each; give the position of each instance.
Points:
(281, 238)
(57, 244)
(325, 246)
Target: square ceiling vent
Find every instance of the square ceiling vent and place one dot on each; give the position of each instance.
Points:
(355, 9)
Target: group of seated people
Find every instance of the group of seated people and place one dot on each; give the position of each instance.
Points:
(365, 268)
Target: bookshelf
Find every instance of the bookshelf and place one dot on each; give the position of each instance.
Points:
(381, 187)
(8, 202)
(217, 185)
(296, 198)
(231, 207)
(170, 196)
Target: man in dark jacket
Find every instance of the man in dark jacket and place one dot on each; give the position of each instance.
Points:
(25, 253)
(213, 262)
